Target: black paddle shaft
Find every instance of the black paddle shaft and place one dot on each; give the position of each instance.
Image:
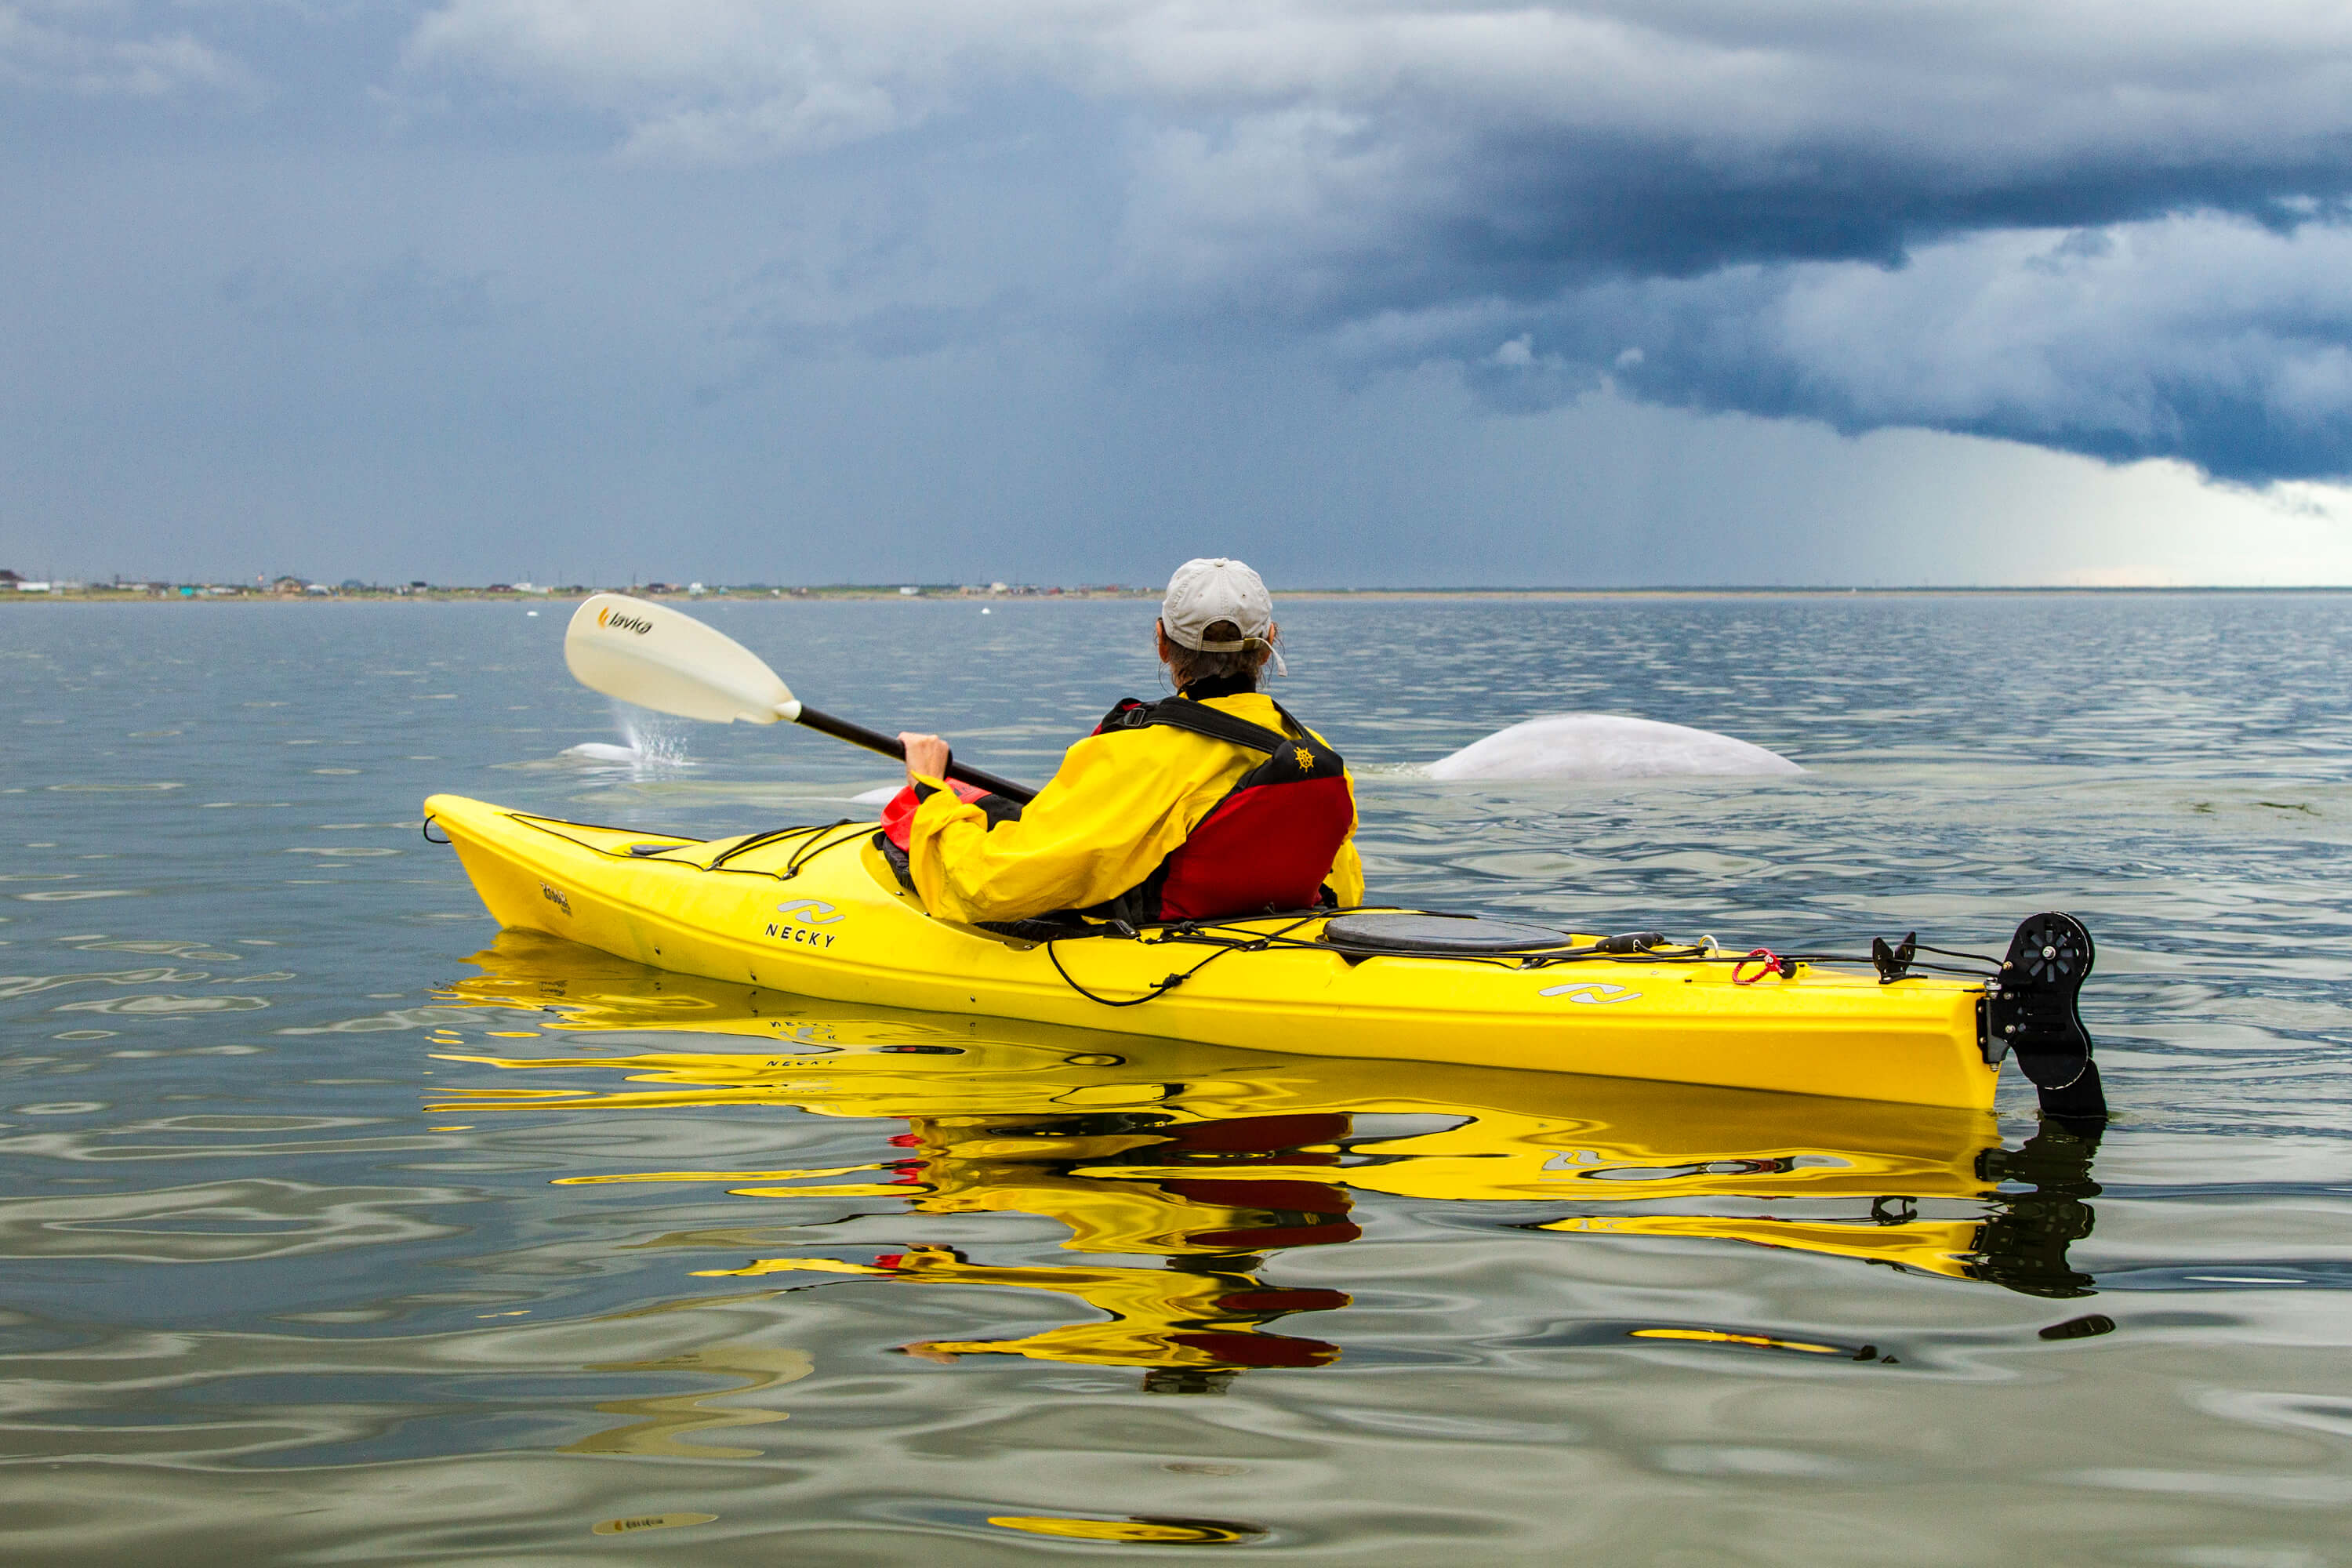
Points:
(876, 741)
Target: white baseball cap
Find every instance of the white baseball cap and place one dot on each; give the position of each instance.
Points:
(1206, 591)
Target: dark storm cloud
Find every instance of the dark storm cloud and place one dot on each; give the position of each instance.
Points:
(2201, 336)
(1605, 175)
(1535, 214)
(2249, 391)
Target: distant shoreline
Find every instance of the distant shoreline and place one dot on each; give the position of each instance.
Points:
(108, 595)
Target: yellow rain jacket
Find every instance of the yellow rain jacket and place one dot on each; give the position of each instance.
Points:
(1119, 805)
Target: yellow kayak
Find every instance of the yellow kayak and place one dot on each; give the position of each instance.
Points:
(817, 912)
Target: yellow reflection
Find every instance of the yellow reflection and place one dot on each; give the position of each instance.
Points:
(650, 1522)
(1931, 1247)
(1199, 1317)
(1725, 1336)
(1156, 1531)
(668, 1418)
(1200, 1158)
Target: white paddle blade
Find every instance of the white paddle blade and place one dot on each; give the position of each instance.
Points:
(655, 658)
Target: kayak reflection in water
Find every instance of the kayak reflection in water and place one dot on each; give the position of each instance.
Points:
(1212, 1199)
(1211, 803)
(2022, 1244)
(1193, 1321)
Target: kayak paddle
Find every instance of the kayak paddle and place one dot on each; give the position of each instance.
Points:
(656, 658)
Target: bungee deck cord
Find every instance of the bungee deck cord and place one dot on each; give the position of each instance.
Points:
(1231, 935)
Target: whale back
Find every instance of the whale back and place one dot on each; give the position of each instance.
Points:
(1607, 746)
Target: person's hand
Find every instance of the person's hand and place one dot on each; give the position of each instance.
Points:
(926, 754)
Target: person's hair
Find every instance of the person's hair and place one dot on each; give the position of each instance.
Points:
(1187, 665)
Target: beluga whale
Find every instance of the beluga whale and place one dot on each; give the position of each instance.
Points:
(1606, 746)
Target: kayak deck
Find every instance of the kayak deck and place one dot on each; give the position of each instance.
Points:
(817, 912)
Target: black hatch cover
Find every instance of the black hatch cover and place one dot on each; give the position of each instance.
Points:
(1386, 932)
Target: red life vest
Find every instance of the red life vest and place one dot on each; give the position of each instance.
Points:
(1268, 845)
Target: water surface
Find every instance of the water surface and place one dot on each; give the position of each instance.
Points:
(338, 1227)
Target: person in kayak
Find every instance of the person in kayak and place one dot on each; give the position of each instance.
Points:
(1210, 804)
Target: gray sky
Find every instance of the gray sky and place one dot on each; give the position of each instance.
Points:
(1675, 291)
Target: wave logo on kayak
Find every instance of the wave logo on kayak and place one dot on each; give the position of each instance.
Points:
(624, 622)
(800, 916)
(1596, 993)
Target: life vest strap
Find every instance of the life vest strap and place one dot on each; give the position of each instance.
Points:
(1184, 714)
